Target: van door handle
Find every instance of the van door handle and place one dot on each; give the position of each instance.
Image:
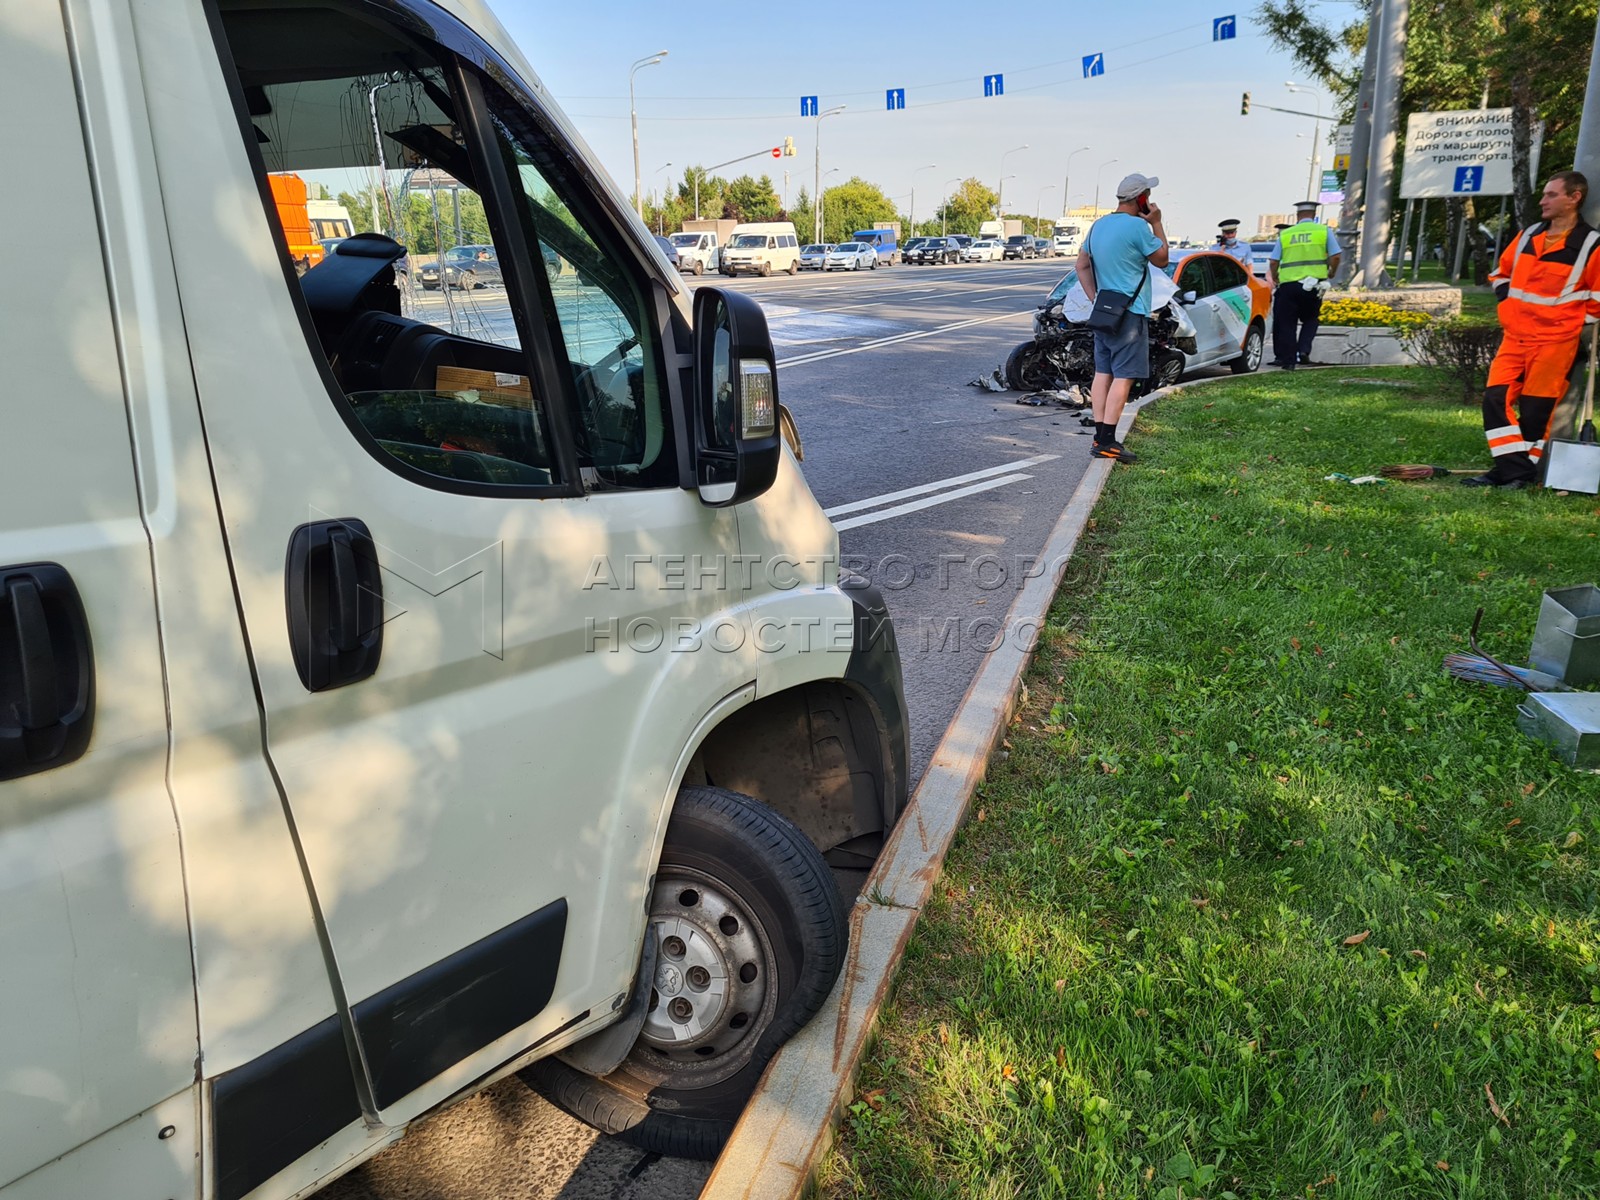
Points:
(334, 596)
(47, 700)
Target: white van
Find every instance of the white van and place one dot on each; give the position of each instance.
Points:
(396, 690)
(762, 247)
(697, 252)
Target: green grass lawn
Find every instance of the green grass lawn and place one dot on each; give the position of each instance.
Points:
(1258, 902)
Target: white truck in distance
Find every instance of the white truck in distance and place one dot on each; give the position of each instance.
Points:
(697, 252)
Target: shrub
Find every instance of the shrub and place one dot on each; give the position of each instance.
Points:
(1460, 349)
(1347, 310)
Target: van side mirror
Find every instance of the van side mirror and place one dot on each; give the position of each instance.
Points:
(737, 445)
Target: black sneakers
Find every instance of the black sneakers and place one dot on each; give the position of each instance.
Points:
(1114, 451)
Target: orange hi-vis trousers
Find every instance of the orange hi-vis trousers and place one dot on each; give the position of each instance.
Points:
(1526, 382)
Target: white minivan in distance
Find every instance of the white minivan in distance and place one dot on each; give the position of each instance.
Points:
(398, 690)
(762, 247)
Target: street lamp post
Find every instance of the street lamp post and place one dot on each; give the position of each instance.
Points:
(825, 174)
(1101, 168)
(913, 214)
(1066, 178)
(1038, 208)
(1316, 145)
(816, 168)
(659, 218)
(999, 196)
(944, 209)
(648, 60)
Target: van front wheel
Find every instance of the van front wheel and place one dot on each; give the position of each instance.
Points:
(750, 934)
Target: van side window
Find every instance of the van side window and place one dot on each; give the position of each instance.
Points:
(602, 314)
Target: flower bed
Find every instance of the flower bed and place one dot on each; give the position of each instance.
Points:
(1367, 314)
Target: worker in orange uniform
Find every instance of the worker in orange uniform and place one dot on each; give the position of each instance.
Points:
(1548, 286)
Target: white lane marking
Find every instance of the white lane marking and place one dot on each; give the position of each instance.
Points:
(802, 359)
(922, 489)
(928, 502)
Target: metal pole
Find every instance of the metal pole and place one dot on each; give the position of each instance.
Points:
(697, 175)
(1587, 158)
(648, 60)
(383, 171)
(1422, 233)
(1355, 178)
(1385, 134)
(1461, 244)
(1066, 180)
(1405, 237)
(1500, 230)
(816, 183)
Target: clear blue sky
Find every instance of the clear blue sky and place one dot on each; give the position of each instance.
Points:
(1167, 105)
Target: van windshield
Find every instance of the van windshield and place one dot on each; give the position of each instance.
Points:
(750, 241)
(685, 239)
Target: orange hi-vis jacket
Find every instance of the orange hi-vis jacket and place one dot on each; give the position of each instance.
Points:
(1547, 290)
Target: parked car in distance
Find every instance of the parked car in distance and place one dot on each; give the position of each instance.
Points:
(811, 256)
(1043, 248)
(984, 250)
(1260, 256)
(884, 240)
(910, 248)
(962, 242)
(936, 250)
(669, 249)
(762, 247)
(463, 267)
(697, 251)
(850, 256)
(1020, 246)
(1064, 245)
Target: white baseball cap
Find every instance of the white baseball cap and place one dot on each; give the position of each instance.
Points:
(1135, 185)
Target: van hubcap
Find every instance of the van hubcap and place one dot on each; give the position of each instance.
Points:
(710, 985)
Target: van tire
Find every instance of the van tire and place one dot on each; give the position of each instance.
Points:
(733, 855)
(766, 269)
(794, 267)
(699, 267)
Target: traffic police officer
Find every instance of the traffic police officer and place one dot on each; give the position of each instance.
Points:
(1304, 258)
(1228, 241)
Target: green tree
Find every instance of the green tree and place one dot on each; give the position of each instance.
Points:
(852, 205)
(804, 215)
(748, 199)
(968, 207)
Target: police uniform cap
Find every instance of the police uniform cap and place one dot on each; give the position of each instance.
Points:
(1230, 223)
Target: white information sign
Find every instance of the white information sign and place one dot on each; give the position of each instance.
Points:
(1343, 136)
(1464, 152)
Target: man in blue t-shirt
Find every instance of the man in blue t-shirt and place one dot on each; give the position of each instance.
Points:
(1117, 255)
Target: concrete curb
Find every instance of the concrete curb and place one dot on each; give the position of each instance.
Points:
(788, 1124)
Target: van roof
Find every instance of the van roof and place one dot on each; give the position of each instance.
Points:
(765, 227)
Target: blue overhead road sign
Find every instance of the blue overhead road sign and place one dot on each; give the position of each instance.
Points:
(1469, 179)
(994, 85)
(1094, 64)
(808, 106)
(1223, 29)
(894, 98)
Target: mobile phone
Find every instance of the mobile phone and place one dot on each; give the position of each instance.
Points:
(1144, 203)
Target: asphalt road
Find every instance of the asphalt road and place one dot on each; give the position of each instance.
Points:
(942, 493)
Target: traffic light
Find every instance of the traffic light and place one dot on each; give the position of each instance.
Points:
(788, 147)
(1244, 105)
